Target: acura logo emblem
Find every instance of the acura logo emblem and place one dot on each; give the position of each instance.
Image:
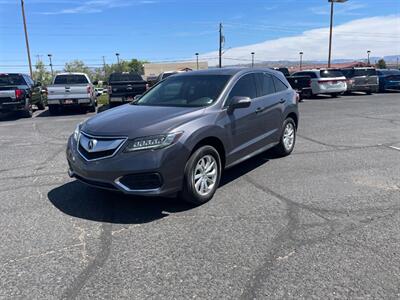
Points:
(92, 144)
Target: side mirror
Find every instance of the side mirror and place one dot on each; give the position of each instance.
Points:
(239, 102)
(137, 97)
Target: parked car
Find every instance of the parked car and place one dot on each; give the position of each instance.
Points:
(124, 86)
(361, 79)
(325, 81)
(18, 92)
(151, 80)
(301, 84)
(181, 134)
(99, 91)
(389, 79)
(71, 90)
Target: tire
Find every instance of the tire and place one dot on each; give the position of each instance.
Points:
(334, 95)
(54, 109)
(27, 113)
(283, 148)
(192, 186)
(92, 108)
(368, 93)
(40, 105)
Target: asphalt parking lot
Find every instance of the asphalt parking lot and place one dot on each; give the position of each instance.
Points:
(321, 223)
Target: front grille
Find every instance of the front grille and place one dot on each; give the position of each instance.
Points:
(94, 155)
(146, 181)
(93, 148)
(96, 183)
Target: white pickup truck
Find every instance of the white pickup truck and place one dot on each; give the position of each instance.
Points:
(71, 89)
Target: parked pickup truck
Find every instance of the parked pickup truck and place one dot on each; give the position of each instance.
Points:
(18, 92)
(124, 86)
(301, 84)
(69, 90)
(361, 80)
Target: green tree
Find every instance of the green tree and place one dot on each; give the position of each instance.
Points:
(381, 64)
(77, 66)
(41, 74)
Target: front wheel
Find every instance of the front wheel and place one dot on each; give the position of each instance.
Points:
(202, 175)
(288, 138)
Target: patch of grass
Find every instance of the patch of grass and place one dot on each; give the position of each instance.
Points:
(102, 100)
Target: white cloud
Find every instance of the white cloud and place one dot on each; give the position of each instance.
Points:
(96, 6)
(381, 35)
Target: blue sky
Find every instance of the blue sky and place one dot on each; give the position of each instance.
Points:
(163, 30)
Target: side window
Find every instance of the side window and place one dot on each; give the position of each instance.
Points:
(28, 82)
(245, 87)
(279, 85)
(267, 84)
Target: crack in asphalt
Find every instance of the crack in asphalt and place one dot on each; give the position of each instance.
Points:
(286, 238)
(97, 263)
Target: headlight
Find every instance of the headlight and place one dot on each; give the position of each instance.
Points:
(77, 131)
(152, 142)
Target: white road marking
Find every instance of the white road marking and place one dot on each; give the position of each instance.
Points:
(396, 148)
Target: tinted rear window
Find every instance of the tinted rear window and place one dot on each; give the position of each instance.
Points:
(364, 72)
(330, 73)
(125, 77)
(279, 85)
(11, 79)
(70, 79)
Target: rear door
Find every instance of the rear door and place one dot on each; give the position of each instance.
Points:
(273, 94)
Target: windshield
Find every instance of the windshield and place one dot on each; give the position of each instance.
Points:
(330, 73)
(125, 77)
(11, 79)
(185, 91)
(70, 79)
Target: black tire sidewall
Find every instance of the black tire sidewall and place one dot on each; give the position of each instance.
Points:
(189, 193)
(287, 152)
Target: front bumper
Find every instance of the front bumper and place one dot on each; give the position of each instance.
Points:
(110, 173)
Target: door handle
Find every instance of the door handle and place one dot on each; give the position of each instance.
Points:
(259, 109)
(282, 100)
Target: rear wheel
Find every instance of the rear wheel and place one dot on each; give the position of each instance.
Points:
(334, 95)
(40, 105)
(54, 109)
(202, 175)
(288, 138)
(92, 108)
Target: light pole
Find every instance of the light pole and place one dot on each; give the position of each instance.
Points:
(26, 37)
(301, 60)
(369, 62)
(330, 29)
(51, 65)
(252, 59)
(197, 60)
(117, 55)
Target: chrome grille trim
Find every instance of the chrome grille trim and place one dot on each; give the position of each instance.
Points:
(107, 143)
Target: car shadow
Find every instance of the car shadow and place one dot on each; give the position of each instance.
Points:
(65, 112)
(81, 201)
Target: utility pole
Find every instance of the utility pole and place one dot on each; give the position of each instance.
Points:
(369, 62)
(221, 41)
(104, 67)
(252, 59)
(26, 38)
(397, 62)
(117, 55)
(197, 60)
(301, 60)
(330, 29)
(51, 65)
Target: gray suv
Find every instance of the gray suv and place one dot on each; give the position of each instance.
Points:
(181, 134)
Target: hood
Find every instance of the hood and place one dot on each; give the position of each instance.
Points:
(140, 120)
